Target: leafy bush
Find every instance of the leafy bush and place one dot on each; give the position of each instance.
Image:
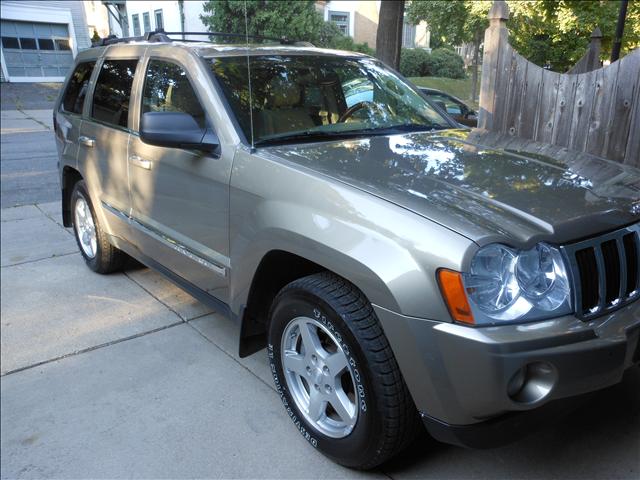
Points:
(415, 62)
(446, 63)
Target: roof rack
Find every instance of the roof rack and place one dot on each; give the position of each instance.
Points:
(161, 36)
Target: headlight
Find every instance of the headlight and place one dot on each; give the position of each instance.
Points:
(506, 285)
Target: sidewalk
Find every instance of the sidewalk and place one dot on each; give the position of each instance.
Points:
(28, 96)
(28, 158)
(127, 376)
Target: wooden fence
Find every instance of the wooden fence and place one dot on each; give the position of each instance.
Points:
(597, 112)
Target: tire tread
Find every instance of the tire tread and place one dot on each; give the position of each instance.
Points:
(399, 415)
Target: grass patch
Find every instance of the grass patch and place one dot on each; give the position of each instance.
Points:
(460, 88)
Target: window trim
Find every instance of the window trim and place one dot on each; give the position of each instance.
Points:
(53, 44)
(135, 22)
(210, 125)
(61, 109)
(408, 28)
(348, 21)
(146, 19)
(206, 61)
(17, 39)
(89, 116)
(64, 39)
(35, 41)
(155, 18)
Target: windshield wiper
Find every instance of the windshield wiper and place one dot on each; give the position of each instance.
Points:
(403, 128)
(311, 136)
(308, 137)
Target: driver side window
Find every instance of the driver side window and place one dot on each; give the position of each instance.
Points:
(452, 108)
(167, 89)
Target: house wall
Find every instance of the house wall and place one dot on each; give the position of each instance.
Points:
(96, 18)
(171, 16)
(364, 18)
(366, 22)
(192, 22)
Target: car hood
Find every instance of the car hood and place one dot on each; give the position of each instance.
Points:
(486, 193)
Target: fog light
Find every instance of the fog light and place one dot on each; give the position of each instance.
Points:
(532, 383)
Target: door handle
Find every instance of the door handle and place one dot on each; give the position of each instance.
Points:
(140, 162)
(87, 141)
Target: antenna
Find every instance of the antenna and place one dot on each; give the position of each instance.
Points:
(246, 31)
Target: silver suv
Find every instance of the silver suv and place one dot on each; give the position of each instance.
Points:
(398, 272)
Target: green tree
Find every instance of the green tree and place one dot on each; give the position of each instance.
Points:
(453, 23)
(550, 33)
(297, 20)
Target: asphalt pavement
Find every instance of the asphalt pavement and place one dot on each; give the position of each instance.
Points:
(126, 376)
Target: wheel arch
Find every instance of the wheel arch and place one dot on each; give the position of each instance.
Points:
(70, 176)
(271, 276)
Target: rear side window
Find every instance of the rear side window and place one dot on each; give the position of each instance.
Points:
(113, 92)
(73, 100)
(167, 89)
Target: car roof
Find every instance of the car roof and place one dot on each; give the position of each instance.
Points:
(209, 49)
(205, 49)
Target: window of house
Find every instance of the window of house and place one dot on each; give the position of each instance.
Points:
(341, 19)
(167, 89)
(113, 92)
(159, 19)
(10, 42)
(45, 44)
(146, 20)
(62, 44)
(74, 96)
(27, 43)
(135, 20)
(408, 35)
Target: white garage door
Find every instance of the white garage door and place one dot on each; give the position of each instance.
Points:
(36, 49)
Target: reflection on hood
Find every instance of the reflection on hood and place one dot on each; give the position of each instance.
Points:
(473, 183)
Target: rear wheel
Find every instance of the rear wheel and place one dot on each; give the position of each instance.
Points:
(336, 374)
(99, 255)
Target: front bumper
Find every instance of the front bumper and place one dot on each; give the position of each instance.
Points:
(460, 376)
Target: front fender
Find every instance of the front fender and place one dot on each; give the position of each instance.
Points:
(388, 252)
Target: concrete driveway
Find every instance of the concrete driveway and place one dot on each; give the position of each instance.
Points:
(127, 376)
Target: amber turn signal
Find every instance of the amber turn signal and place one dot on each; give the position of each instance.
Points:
(455, 296)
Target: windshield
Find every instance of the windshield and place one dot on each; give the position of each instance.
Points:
(302, 97)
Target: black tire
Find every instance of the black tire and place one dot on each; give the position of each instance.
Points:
(387, 418)
(107, 258)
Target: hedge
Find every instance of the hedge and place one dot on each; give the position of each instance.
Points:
(441, 62)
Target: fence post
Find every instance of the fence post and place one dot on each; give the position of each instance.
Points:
(496, 39)
(591, 59)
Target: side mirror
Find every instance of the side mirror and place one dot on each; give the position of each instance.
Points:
(176, 130)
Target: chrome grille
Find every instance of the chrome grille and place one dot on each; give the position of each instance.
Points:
(604, 271)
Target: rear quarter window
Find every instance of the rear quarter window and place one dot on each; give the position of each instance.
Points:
(76, 91)
(113, 92)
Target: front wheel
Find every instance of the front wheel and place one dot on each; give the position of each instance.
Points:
(336, 374)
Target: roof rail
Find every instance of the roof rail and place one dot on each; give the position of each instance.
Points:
(153, 36)
(161, 36)
(242, 36)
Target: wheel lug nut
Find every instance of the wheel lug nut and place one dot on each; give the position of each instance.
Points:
(327, 388)
(325, 369)
(316, 386)
(309, 370)
(314, 358)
